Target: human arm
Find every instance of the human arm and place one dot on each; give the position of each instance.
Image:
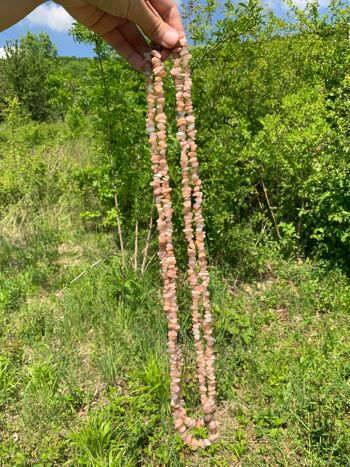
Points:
(14, 10)
(118, 22)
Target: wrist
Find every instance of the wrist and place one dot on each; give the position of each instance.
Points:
(12, 11)
(36, 3)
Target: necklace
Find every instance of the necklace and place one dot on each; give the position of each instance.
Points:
(197, 270)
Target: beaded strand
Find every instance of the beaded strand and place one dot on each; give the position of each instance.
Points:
(197, 271)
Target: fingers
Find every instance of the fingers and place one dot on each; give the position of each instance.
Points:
(132, 33)
(120, 33)
(113, 20)
(12, 12)
(124, 48)
(158, 19)
(169, 12)
(107, 24)
(153, 22)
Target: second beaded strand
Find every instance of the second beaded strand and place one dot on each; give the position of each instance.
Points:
(197, 266)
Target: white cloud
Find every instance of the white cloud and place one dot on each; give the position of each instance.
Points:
(2, 52)
(275, 4)
(302, 3)
(51, 16)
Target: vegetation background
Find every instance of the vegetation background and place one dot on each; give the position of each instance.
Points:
(83, 362)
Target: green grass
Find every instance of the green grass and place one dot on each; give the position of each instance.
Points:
(84, 372)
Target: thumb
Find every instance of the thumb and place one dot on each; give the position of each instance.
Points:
(152, 24)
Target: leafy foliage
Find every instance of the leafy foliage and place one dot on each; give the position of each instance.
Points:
(28, 63)
(83, 365)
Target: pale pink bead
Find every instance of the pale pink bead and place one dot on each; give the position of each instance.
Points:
(160, 117)
(195, 444)
(205, 443)
(175, 71)
(179, 422)
(156, 54)
(213, 437)
(181, 121)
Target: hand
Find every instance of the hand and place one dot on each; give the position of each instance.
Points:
(12, 11)
(119, 22)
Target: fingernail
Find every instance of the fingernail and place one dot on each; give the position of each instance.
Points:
(171, 38)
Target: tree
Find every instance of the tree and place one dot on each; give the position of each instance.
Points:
(27, 65)
(116, 103)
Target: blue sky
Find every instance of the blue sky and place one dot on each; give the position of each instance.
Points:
(53, 19)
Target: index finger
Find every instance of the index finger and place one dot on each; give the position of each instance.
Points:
(169, 13)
